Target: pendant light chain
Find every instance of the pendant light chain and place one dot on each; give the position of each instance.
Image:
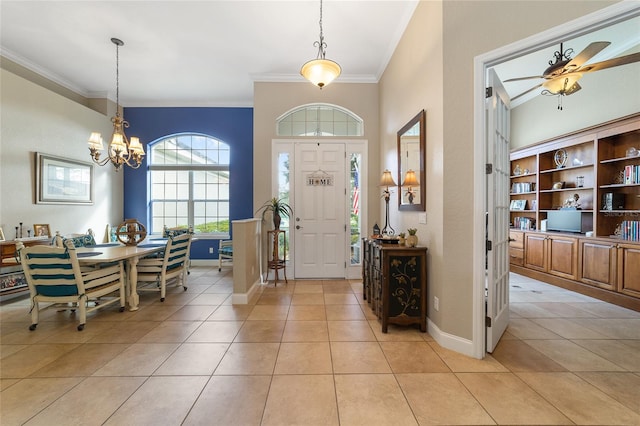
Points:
(117, 78)
(321, 44)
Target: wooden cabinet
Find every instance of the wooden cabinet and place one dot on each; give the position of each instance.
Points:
(516, 248)
(395, 283)
(629, 269)
(598, 263)
(554, 254)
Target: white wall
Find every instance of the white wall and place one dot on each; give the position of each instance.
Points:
(35, 119)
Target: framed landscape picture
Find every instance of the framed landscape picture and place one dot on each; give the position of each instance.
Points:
(63, 181)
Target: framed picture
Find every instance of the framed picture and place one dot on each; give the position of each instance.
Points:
(63, 181)
(517, 204)
(1, 234)
(41, 230)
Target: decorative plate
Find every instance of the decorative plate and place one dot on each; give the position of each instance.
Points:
(560, 158)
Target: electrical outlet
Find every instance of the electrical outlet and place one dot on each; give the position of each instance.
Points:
(210, 250)
(436, 303)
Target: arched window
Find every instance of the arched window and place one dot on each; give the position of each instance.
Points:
(189, 183)
(319, 120)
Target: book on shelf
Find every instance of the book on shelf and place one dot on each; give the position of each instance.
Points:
(631, 174)
(521, 187)
(630, 230)
(524, 223)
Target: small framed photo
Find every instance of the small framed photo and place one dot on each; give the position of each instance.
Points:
(41, 230)
(1, 234)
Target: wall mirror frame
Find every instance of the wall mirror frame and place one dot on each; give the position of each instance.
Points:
(412, 156)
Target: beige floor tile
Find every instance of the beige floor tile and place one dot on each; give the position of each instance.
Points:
(571, 356)
(524, 328)
(301, 400)
(249, 358)
(212, 299)
(304, 358)
(308, 287)
(23, 336)
(350, 331)
(231, 401)
(6, 350)
(441, 399)
(307, 313)
(192, 313)
(28, 397)
(565, 310)
(337, 286)
(104, 395)
(372, 399)
(274, 299)
(260, 331)
(344, 312)
(568, 328)
(231, 313)
(170, 331)
(623, 387)
(307, 299)
(511, 401)
(580, 401)
(215, 331)
(305, 331)
(69, 332)
(7, 383)
(516, 355)
(614, 328)
(606, 310)
(124, 332)
(397, 333)
(29, 360)
(358, 357)
(462, 363)
(160, 400)
(82, 361)
(616, 351)
(193, 359)
(176, 296)
(155, 312)
(139, 359)
(413, 357)
(268, 312)
(531, 310)
(340, 299)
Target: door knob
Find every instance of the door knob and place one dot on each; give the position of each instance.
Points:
(298, 227)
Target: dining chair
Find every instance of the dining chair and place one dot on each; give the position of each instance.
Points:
(54, 276)
(172, 263)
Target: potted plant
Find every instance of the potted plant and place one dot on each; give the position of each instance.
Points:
(278, 208)
(412, 239)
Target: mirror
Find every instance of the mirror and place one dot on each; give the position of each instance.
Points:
(411, 164)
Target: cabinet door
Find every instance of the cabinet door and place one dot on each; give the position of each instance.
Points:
(598, 263)
(535, 251)
(562, 256)
(629, 269)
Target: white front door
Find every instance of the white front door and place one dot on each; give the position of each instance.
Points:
(498, 187)
(319, 222)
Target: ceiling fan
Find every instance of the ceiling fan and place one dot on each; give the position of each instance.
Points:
(562, 75)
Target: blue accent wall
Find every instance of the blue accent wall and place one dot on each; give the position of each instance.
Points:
(233, 126)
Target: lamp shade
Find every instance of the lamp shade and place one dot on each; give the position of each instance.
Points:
(136, 146)
(95, 141)
(563, 83)
(387, 179)
(321, 72)
(410, 179)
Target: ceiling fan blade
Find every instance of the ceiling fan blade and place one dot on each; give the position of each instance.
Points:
(523, 78)
(589, 52)
(615, 62)
(524, 93)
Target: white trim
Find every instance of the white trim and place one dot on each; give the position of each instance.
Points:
(450, 341)
(245, 298)
(582, 25)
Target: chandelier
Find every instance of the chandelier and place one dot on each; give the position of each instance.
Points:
(120, 150)
(321, 71)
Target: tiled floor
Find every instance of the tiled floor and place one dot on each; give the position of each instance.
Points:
(311, 353)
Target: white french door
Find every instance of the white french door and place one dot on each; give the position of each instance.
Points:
(319, 223)
(498, 187)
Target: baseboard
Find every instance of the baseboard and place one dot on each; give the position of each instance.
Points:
(450, 341)
(245, 298)
(204, 262)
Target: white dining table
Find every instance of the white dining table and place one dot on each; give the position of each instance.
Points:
(105, 253)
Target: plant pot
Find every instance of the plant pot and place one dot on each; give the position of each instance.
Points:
(276, 220)
(401, 240)
(412, 240)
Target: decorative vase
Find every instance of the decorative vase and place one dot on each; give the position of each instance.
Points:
(412, 240)
(276, 220)
(401, 240)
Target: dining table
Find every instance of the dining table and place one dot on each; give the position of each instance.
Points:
(115, 252)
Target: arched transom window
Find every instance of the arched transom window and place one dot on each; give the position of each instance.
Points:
(319, 120)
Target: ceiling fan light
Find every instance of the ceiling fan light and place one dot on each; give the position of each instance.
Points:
(562, 84)
(321, 72)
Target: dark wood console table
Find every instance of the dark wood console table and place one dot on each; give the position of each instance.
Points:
(395, 283)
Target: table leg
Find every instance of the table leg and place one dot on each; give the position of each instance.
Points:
(134, 299)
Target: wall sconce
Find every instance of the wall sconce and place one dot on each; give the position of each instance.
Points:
(410, 181)
(387, 181)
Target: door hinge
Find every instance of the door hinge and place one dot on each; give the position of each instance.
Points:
(488, 92)
(345, 227)
(488, 168)
(489, 245)
(487, 321)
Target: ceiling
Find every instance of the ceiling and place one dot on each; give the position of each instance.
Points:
(209, 53)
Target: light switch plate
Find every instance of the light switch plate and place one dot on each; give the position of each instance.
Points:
(422, 218)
